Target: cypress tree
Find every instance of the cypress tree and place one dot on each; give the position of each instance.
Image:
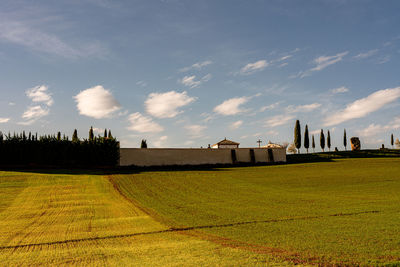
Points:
(105, 133)
(313, 144)
(29, 136)
(1, 137)
(110, 135)
(328, 140)
(58, 136)
(306, 139)
(143, 143)
(392, 141)
(75, 136)
(91, 135)
(322, 140)
(297, 135)
(345, 140)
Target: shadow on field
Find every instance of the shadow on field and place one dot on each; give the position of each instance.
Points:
(127, 169)
(183, 229)
(331, 156)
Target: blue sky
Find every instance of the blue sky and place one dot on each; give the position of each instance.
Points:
(189, 73)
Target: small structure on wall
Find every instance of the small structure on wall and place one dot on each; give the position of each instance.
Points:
(272, 145)
(226, 144)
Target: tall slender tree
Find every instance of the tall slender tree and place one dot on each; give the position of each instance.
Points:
(322, 140)
(297, 135)
(74, 136)
(110, 135)
(306, 139)
(143, 144)
(313, 144)
(58, 136)
(328, 140)
(345, 140)
(91, 135)
(105, 133)
(392, 140)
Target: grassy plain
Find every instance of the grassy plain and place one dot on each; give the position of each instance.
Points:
(344, 212)
(341, 212)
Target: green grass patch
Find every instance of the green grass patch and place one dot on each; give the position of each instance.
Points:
(340, 212)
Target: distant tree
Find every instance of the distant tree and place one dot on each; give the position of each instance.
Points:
(58, 136)
(292, 148)
(345, 140)
(392, 140)
(1, 137)
(110, 135)
(30, 136)
(105, 133)
(397, 143)
(143, 144)
(75, 136)
(23, 135)
(328, 140)
(322, 140)
(313, 144)
(306, 139)
(91, 135)
(297, 135)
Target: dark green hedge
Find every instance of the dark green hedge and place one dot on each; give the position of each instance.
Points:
(52, 151)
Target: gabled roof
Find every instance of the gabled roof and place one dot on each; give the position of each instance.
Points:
(226, 142)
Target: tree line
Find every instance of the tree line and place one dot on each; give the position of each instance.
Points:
(57, 150)
(295, 147)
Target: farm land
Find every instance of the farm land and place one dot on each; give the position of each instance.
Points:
(339, 212)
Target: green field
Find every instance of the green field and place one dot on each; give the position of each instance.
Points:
(344, 212)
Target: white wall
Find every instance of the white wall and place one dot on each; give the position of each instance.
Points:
(194, 156)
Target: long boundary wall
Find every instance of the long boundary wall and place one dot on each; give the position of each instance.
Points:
(198, 156)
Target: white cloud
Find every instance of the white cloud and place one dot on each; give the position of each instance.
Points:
(195, 130)
(231, 106)
(35, 112)
(4, 120)
(98, 131)
(197, 66)
(366, 54)
(384, 59)
(374, 129)
(141, 83)
(315, 132)
(190, 81)
(253, 67)
(269, 107)
(11, 104)
(161, 141)
(278, 120)
(284, 57)
(321, 63)
(302, 108)
(96, 102)
(143, 124)
(40, 94)
(236, 125)
(325, 61)
(339, 90)
(166, 105)
(371, 130)
(24, 33)
(364, 106)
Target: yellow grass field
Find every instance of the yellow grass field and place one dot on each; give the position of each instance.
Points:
(78, 219)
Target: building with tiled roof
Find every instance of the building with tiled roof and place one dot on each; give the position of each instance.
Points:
(226, 144)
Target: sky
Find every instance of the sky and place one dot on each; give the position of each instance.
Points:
(190, 73)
